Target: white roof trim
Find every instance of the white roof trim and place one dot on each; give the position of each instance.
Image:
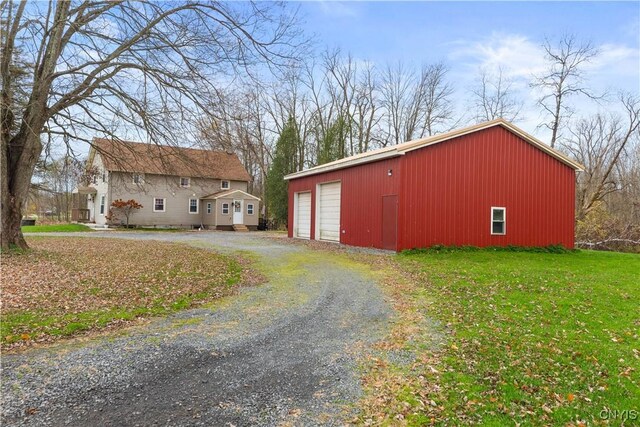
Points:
(401, 149)
(228, 193)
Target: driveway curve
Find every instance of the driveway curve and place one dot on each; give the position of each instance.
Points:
(280, 353)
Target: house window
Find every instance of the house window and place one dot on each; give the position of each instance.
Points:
(103, 202)
(225, 185)
(159, 204)
(138, 178)
(94, 178)
(185, 182)
(250, 209)
(208, 208)
(193, 206)
(225, 208)
(498, 220)
(104, 176)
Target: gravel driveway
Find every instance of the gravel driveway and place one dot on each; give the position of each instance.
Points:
(282, 352)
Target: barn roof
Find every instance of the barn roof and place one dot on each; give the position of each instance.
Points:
(128, 156)
(401, 149)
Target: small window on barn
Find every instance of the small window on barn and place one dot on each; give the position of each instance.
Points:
(185, 182)
(159, 204)
(498, 220)
(225, 185)
(193, 206)
(138, 178)
(225, 208)
(250, 208)
(208, 208)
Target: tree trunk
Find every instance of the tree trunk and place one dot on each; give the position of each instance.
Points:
(19, 157)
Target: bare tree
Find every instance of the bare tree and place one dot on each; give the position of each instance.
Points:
(599, 143)
(563, 79)
(493, 97)
(103, 66)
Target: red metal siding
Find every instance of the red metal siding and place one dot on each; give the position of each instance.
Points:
(361, 199)
(448, 189)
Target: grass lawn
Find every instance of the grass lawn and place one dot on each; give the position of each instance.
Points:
(62, 286)
(524, 339)
(63, 228)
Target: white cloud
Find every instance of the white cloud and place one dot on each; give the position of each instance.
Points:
(518, 56)
(618, 59)
(337, 9)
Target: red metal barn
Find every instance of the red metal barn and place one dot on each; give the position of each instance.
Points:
(487, 185)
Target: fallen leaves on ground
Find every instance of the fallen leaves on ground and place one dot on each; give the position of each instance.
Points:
(65, 281)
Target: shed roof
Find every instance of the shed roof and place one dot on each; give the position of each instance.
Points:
(129, 156)
(401, 149)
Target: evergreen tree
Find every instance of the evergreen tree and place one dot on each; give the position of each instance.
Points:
(333, 145)
(284, 163)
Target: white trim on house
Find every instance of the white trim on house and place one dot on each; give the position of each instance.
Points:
(225, 206)
(103, 204)
(197, 205)
(187, 185)
(164, 204)
(250, 205)
(503, 221)
(401, 149)
(225, 187)
(209, 208)
(226, 194)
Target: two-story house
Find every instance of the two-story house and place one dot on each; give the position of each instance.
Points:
(177, 187)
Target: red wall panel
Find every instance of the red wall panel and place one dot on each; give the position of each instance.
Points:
(448, 190)
(361, 199)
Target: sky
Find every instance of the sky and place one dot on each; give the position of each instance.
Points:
(470, 35)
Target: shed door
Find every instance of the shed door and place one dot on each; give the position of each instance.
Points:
(303, 215)
(389, 222)
(329, 211)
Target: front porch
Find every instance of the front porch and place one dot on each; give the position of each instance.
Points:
(81, 197)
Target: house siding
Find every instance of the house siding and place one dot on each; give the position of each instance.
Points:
(102, 189)
(168, 187)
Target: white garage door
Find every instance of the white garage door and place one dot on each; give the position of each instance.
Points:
(303, 216)
(329, 211)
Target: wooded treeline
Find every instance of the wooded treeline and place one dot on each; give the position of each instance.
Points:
(337, 107)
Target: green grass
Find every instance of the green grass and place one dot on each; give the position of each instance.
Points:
(532, 338)
(57, 228)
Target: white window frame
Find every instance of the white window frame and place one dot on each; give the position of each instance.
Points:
(225, 206)
(252, 210)
(208, 208)
(164, 204)
(188, 182)
(104, 176)
(140, 178)
(197, 206)
(504, 220)
(103, 204)
(228, 184)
